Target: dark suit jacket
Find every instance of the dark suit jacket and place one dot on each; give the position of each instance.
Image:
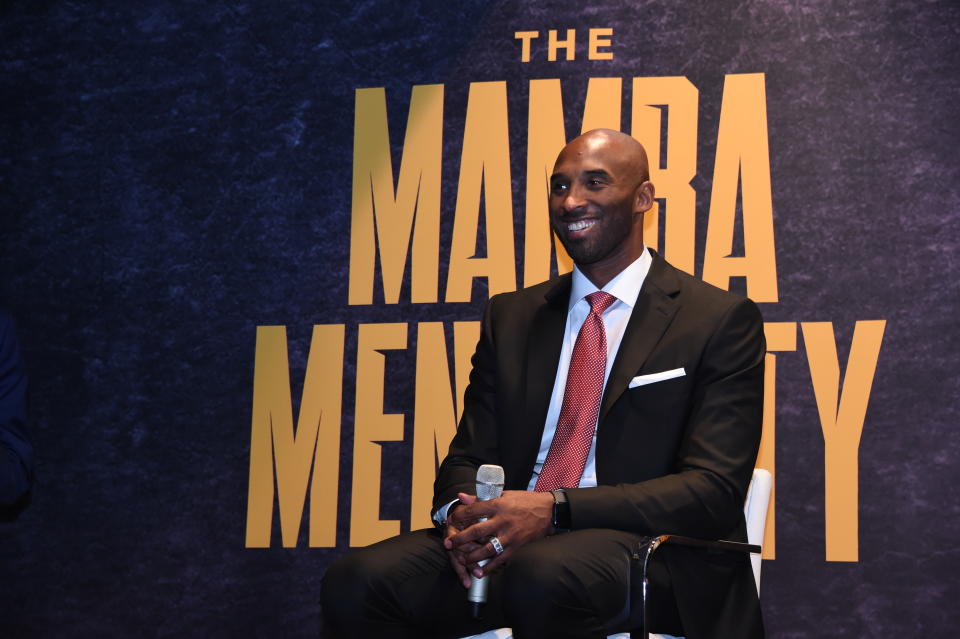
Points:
(672, 457)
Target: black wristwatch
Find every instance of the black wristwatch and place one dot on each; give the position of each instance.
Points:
(561, 511)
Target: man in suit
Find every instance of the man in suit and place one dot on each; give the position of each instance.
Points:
(651, 425)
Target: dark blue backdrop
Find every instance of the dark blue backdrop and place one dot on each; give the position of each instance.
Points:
(174, 174)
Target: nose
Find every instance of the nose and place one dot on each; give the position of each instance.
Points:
(573, 200)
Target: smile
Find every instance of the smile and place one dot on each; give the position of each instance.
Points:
(580, 225)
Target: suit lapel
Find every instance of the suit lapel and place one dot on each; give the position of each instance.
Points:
(543, 357)
(655, 308)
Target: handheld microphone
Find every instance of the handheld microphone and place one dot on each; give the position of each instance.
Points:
(489, 486)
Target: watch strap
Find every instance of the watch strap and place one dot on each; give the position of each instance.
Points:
(561, 511)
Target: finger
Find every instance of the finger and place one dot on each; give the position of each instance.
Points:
(461, 571)
(449, 531)
(460, 518)
(460, 523)
(464, 499)
(493, 564)
(478, 532)
(468, 548)
(481, 551)
(461, 544)
(478, 509)
(460, 556)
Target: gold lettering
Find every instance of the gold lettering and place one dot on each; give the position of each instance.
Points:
(601, 110)
(553, 44)
(743, 157)
(273, 443)
(672, 182)
(841, 419)
(376, 210)
(434, 422)
(781, 336)
(484, 164)
(598, 40)
(525, 37)
(371, 426)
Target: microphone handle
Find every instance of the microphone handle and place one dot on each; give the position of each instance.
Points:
(477, 595)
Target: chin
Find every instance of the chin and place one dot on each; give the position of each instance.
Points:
(582, 255)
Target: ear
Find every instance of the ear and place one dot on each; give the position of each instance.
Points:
(644, 197)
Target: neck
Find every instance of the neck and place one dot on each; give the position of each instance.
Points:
(600, 273)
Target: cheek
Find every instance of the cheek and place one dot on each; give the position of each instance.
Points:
(553, 223)
(553, 208)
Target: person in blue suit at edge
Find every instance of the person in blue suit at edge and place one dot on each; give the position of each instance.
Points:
(16, 451)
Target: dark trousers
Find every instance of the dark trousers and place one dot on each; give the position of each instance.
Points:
(572, 585)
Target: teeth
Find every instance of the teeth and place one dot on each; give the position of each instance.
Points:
(579, 226)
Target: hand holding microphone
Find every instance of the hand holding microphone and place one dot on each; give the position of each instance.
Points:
(516, 518)
(489, 486)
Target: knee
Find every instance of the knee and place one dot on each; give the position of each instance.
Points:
(347, 586)
(544, 596)
(535, 580)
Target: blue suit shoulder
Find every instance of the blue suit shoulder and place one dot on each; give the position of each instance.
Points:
(16, 450)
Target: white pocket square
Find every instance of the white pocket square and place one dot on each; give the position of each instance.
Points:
(642, 380)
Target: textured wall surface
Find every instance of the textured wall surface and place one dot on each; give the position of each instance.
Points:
(174, 174)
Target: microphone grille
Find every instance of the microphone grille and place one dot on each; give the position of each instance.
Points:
(490, 474)
(489, 482)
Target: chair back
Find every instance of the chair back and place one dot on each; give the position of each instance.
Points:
(755, 512)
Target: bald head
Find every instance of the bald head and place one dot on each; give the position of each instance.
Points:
(619, 148)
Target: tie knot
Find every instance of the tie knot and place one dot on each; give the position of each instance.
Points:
(600, 301)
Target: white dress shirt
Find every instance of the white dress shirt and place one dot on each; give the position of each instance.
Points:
(626, 288)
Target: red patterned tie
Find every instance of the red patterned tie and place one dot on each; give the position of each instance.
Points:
(581, 401)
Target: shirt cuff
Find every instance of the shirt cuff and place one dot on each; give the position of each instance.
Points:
(440, 517)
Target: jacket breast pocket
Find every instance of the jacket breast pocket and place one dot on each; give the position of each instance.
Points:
(661, 400)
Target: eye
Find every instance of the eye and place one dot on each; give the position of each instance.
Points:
(558, 187)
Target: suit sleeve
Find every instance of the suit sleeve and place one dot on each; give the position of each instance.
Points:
(476, 441)
(717, 452)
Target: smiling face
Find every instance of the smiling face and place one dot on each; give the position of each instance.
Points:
(598, 193)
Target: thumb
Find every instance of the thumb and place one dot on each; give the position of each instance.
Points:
(466, 499)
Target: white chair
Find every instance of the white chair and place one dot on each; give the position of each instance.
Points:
(754, 511)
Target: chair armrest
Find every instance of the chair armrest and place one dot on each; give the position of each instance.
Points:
(649, 546)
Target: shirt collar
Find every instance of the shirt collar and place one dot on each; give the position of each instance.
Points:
(625, 286)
